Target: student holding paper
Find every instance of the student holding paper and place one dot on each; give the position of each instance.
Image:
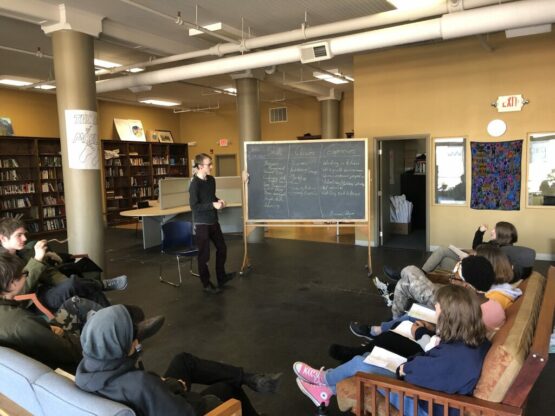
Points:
(453, 366)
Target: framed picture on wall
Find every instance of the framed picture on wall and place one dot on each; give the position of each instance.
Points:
(164, 136)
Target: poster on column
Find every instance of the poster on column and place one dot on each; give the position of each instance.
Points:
(82, 139)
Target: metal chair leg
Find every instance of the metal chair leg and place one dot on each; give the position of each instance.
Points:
(179, 272)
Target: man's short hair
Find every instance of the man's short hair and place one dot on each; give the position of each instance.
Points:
(11, 268)
(8, 226)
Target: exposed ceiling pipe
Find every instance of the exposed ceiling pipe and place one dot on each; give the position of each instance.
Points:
(351, 25)
(36, 54)
(179, 20)
(473, 22)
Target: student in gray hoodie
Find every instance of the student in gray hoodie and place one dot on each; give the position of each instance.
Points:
(110, 368)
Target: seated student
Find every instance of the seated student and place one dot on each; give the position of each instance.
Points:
(478, 278)
(52, 286)
(453, 366)
(503, 234)
(109, 368)
(30, 334)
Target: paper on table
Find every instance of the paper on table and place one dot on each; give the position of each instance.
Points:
(461, 254)
(385, 359)
(423, 313)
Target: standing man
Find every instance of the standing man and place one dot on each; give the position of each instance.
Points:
(205, 205)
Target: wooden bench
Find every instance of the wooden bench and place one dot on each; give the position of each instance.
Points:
(518, 355)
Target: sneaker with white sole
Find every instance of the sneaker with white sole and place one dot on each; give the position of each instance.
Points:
(388, 299)
(360, 330)
(381, 286)
(117, 283)
(307, 373)
(318, 394)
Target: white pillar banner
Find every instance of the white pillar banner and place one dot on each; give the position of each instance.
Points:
(82, 139)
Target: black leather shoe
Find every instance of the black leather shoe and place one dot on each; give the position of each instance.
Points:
(391, 273)
(211, 289)
(228, 276)
(149, 327)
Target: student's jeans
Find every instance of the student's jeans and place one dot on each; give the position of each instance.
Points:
(54, 296)
(223, 380)
(350, 368)
(204, 234)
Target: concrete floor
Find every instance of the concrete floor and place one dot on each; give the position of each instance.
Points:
(298, 298)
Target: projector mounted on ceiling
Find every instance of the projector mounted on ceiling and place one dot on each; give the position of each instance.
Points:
(317, 51)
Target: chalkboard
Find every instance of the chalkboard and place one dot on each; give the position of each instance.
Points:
(309, 180)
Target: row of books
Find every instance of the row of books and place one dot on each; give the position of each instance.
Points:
(160, 160)
(160, 171)
(115, 172)
(24, 202)
(113, 162)
(9, 163)
(53, 211)
(52, 200)
(139, 161)
(54, 224)
(51, 161)
(48, 173)
(9, 175)
(23, 188)
(141, 192)
(52, 187)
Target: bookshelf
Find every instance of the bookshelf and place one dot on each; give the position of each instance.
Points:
(132, 171)
(31, 183)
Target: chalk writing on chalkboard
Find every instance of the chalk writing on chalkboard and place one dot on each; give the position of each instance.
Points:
(320, 180)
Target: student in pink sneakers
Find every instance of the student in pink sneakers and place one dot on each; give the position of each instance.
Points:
(453, 366)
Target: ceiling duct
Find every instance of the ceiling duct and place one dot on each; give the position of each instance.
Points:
(313, 52)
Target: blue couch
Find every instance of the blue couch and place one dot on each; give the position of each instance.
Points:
(42, 392)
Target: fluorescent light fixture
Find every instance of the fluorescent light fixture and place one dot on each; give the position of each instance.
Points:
(15, 81)
(327, 76)
(156, 101)
(219, 28)
(45, 87)
(411, 4)
(135, 70)
(231, 90)
(101, 63)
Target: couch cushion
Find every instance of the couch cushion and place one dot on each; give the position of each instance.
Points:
(511, 343)
(60, 396)
(17, 373)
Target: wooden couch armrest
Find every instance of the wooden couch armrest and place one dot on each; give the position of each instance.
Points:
(232, 407)
(372, 382)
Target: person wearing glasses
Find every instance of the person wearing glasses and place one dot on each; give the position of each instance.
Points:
(205, 206)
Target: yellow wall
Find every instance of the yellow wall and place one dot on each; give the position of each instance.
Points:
(445, 90)
(33, 114)
(303, 116)
(152, 119)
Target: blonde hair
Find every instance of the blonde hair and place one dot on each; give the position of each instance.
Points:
(502, 266)
(460, 319)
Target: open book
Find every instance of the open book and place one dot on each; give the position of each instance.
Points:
(423, 313)
(385, 359)
(461, 254)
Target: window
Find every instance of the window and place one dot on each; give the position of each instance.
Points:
(450, 171)
(541, 169)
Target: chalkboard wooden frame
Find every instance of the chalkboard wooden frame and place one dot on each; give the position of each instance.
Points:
(362, 215)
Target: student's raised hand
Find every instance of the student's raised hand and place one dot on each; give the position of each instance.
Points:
(40, 250)
(217, 205)
(483, 228)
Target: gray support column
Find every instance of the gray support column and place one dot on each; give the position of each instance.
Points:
(248, 108)
(330, 118)
(76, 90)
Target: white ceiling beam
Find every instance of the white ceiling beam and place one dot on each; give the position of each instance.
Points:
(33, 11)
(138, 37)
(78, 20)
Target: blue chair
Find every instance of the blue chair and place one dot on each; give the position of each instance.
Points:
(177, 240)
